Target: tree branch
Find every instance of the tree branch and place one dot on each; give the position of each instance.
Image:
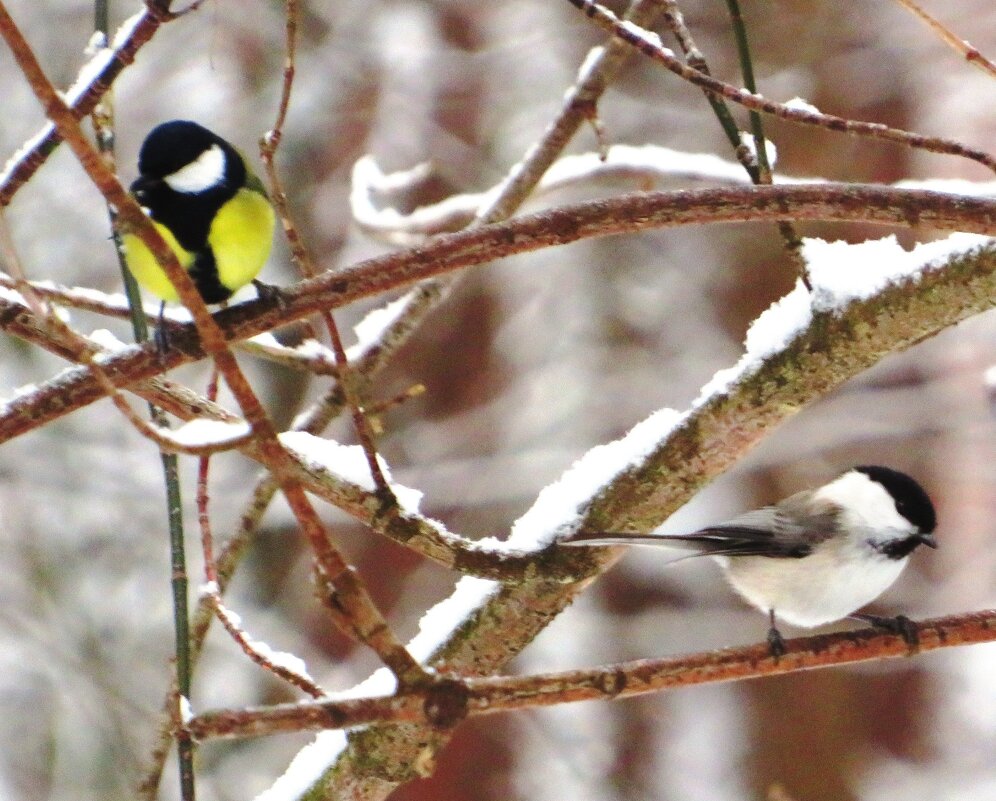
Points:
(85, 99)
(449, 704)
(649, 45)
(624, 214)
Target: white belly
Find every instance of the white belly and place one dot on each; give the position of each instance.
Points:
(829, 584)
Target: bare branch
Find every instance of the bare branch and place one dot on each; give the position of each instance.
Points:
(650, 46)
(484, 696)
(971, 54)
(34, 153)
(444, 254)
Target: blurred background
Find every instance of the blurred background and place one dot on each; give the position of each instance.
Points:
(530, 362)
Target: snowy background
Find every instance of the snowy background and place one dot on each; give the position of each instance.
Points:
(530, 363)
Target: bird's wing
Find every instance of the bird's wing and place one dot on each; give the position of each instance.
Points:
(763, 532)
(770, 531)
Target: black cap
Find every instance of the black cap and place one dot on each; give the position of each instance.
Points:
(173, 145)
(912, 502)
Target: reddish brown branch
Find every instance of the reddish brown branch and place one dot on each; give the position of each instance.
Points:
(447, 704)
(642, 42)
(444, 254)
(36, 155)
(360, 616)
(259, 653)
(302, 258)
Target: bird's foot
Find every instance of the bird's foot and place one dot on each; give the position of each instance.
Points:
(270, 293)
(900, 624)
(775, 642)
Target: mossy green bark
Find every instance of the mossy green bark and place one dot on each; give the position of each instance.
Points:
(832, 350)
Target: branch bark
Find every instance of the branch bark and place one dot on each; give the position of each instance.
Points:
(45, 142)
(713, 437)
(624, 214)
(448, 704)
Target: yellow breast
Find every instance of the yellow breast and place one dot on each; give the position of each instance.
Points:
(240, 237)
(143, 265)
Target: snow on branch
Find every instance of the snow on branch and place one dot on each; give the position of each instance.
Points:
(93, 80)
(373, 190)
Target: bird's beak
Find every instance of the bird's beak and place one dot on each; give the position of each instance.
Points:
(927, 539)
(141, 185)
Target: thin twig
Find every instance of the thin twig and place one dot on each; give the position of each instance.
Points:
(622, 214)
(256, 651)
(203, 497)
(444, 706)
(41, 145)
(212, 594)
(955, 42)
(649, 45)
(675, 22)
(302, 258)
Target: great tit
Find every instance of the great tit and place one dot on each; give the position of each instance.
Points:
(816, 556)
(208, 206)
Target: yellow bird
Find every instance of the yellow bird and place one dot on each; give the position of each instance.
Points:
(208, 206)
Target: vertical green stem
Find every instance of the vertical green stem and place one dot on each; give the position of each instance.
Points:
(793, 244)
(747, 69)
(101, 13)
(104, 124)
(181, 615)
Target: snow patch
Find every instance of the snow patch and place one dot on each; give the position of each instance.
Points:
(559, 506)
(347, 462)
(203, 433)
(842, 273)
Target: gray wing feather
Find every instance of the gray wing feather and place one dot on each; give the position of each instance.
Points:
(774, 531)
(790, 529)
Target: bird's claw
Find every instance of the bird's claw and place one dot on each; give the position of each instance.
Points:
(776, 644)
(900, 624)
(270, 293)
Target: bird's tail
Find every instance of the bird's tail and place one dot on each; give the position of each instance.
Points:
(693, 542)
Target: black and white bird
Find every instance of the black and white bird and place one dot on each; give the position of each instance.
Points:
(207, 204)
(817, 556)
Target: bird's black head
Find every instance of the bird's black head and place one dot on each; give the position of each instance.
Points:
(912, 502)
(173, 145)
(187, 158)
(187, 173)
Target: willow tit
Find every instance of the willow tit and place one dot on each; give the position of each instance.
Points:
(817, 556)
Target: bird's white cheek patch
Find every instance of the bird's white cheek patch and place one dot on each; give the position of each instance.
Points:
(204, 172)
(868, 503)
